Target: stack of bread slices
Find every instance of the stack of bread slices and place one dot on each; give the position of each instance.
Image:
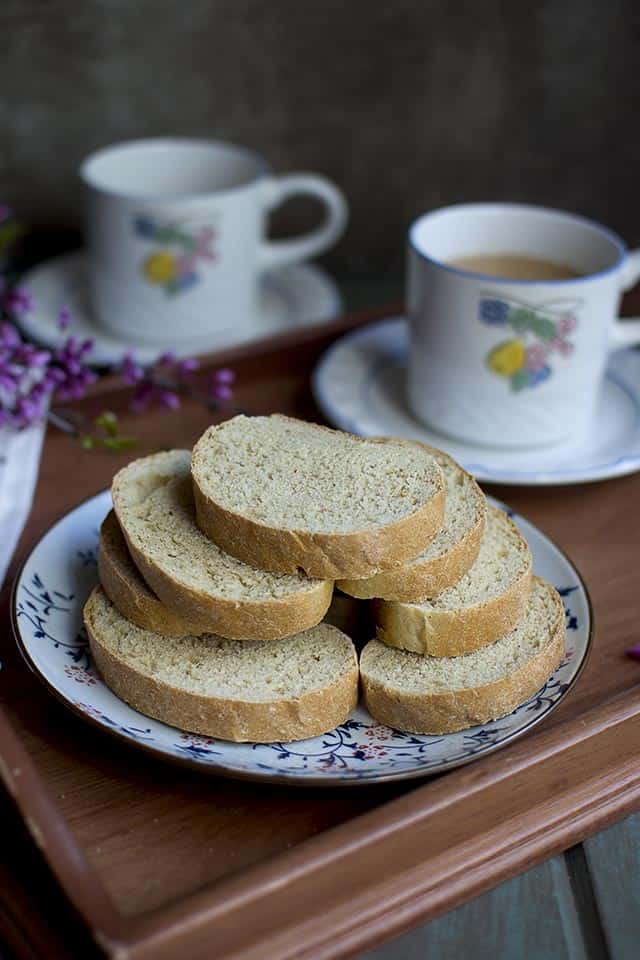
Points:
(217, 568)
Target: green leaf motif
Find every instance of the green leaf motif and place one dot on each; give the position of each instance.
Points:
(172, 235)
(520, 319)
(520, 380)
(543, 327)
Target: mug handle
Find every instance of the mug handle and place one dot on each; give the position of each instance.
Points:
(626, 333)
(278, 253)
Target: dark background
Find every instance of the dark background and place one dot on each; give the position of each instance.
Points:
(406, 104)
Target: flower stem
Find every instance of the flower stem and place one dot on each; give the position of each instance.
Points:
(56, 420)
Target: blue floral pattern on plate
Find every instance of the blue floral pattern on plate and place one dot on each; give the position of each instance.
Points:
(58, 576)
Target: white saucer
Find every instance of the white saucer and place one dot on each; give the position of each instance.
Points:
(359, 386)
(292, 297)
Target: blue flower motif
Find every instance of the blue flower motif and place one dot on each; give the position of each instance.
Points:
(182, 283)
(494, 312)
(145, 227)
(540, 376)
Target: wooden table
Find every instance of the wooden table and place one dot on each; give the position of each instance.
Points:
(583, 905)
(321, 888)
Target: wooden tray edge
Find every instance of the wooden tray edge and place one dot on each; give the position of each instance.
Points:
(353, 905)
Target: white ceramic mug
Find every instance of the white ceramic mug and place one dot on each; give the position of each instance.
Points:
(513, 363)
(176, 235)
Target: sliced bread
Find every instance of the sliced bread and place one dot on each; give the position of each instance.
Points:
(153, 501)
(483, 605)
(128, 592)
(441, 695)
(287, 689)
(450, 553)
(288, 496)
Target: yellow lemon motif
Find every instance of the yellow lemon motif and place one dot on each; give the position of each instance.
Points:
(160, 267)
(507, 358)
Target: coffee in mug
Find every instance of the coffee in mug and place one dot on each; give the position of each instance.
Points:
(515, 267)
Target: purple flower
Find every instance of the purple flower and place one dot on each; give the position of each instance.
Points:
(131, 370)
(221, 392)
(143, 396)
(9, 336)
(64, 318)
(29, 376)
(169, 399)
(18, 302)
(31, 356)
(166, 359)
(634, 652)
(223, 375)
(220, 384)
(8, 380)
(73, 376)
(188, 365)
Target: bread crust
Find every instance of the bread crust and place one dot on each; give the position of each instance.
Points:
(450, 711)
(234, 619)
(129, 593)
(310, 715)
(358, 554)
(451, 633)
(420, 579)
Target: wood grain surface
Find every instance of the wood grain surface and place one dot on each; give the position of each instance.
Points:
(162, 862)
(613, 860)
(533, 917)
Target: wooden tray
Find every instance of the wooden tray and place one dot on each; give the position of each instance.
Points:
(158, 862)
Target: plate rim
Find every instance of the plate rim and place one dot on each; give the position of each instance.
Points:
(218, 769)
(620, 467)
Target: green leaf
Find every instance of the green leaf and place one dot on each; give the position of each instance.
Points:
(10, 230)
(108, 422)
(87, 442)
(118, 443)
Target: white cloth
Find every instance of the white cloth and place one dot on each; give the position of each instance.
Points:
(19, 464)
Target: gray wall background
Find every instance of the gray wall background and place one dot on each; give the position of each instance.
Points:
(406, 104)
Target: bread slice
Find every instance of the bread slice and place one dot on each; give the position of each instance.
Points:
(128, 592)
(286, 495)
(483, 605)
(287, 689)
(194, 578)
(450, 553)
(441, 695)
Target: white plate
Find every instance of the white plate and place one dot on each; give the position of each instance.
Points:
(47, 614)
(292, 297)
(359, 386)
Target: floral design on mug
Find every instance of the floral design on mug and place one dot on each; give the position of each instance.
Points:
(179, 253)
(538, 333)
